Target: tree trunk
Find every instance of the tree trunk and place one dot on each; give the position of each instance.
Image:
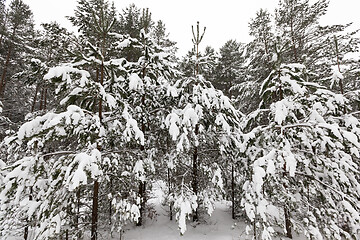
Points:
(287, 222)
(232, 192)
(170, 205)
(3, 76)
(286, 211)
(45, 98)
(142, 191)
(142, 185)
(94, 216)
(77, 222)
(41, 99)
(254, 227)
(34, 99)
(195, 174)
(110, 205)
(26, 230)
(338, 65)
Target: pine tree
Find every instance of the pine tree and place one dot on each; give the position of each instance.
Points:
(208, 64)
(260, 29)
(52, 43)
(145, 21)
(161, 36)
(302, 162)
(148, 94)
(203, 116)
(228, 67)
(298, 20)
(3, 16)
(16, 34)
(255, 64)
(20, 24)
(89, 146)
(109, 108)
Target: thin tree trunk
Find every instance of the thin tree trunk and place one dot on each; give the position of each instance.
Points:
(254, 227)
(94, 216)
(110, 205)
(287, 222)
(41, 99)
(34, 99)
(287, 212)
(142, 193)
(78, 213)
(3, 76)
(195, 154)
(232, 192)
(195, 173)
(338, 65)
(142, 185)
(26, 230)
(170, 206)
(45, 98)
(101, 83)
(197, 59)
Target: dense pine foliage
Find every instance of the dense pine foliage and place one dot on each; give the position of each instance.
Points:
(89, 121)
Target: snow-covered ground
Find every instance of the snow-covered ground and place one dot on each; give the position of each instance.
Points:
(220, 226)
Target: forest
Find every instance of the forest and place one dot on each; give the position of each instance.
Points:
(93, 122)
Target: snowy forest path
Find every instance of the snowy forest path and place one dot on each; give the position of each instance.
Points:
(218, 226)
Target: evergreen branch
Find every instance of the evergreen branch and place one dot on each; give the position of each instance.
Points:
(58, 153)
(344, 196)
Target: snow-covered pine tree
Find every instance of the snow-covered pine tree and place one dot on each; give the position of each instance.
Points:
(302, 149)
(149, 93)
(53, 43)
(201, 125)
(297, 20)
(255, 62)
(55, 157)
(17, 34)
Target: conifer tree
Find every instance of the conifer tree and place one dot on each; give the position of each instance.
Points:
(228, 67)
(16, 37)
(3, 16)
(202, 115)
(161, 36)
(302, 162)
(298, 20)
(20, 25)
(52, 42)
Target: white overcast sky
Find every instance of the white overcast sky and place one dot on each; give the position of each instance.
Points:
(224, 19)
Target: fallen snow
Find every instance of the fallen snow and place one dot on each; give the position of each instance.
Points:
(219, 226)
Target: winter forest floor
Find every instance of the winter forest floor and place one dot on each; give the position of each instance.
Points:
(220, 226)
